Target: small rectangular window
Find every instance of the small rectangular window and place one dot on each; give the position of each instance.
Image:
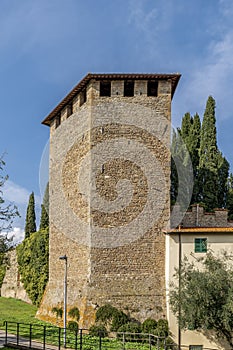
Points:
(105, 88)
(57, 120)
(195, 347)
(200, 245)
(129, 88)
(83, 97)
(152, 88)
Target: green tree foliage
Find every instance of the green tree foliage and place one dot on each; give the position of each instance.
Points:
(111, 316)
(204, 299)
(208, 152)
(8, 212)
(98, 331)
(223, 173)
(33, 254)
(181, 171)
(210, 167)
(74, 313)
(44, 219)
(149, 325)
(229, 201)
(72, 326)
(193, 148)
(30, 225)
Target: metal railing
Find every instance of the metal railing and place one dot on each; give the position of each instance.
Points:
(34, 336)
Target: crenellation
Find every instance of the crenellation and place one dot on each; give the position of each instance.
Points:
(164, 87)
(117, 88)
(140, 87)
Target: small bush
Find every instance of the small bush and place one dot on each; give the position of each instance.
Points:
(72, 326)
(149, 325)
(111, 316)
(162, 329)
(57, 311)
(74, 313)
(105, 313)
(98, 331)
(119, 319)
(131, 327)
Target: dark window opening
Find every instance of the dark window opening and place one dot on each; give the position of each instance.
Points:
(195, 347)
(105, 88)
(200, 245)
(129, 88)
(83, 97)
(69, 110)
(57, 120)
(152, 88)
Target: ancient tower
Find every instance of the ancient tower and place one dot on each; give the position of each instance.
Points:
(109, 194)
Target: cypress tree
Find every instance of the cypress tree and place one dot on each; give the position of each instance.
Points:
(223, 172)
(44, 219)
(186, 126)
(194, 145)
(229, 201)
(174, 174)
(30, 225)
(208, 164)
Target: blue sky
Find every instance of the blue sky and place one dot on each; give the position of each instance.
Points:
(46, 47)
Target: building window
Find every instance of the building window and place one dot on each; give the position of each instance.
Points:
(83, 97)
(200, 245)
(105, 88)
(57, 120)
(152, 88)
(129, 88)
(195, 347)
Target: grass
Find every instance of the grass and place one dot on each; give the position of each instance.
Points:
(15, 310)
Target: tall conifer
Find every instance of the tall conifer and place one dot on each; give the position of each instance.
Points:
(208, 164)
(229, 201)
(30, 225)
(194, 145)
(44, 219)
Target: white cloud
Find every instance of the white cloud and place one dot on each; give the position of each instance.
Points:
(17, 233)
(17, 194)
(213, 74)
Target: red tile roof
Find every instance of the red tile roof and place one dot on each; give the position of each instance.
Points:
(113, 76)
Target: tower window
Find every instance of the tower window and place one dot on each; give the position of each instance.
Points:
(57, 120)
(200, 245)
(105, 88)
(83, 97)
(129, 88)
(152, 88)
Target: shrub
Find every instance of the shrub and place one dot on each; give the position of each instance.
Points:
(105, 313)
(74, 313)
(162, 329)
(98, 331)
(33, 260)
(131, 327)
(110, 315)
(149, 325)
(119, 319)
(57, 311)
(73, 326)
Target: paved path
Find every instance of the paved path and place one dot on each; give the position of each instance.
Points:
(11, 338)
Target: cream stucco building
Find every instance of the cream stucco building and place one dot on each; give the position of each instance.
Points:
(199, 233)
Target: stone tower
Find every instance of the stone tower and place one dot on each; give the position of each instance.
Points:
(109, 194)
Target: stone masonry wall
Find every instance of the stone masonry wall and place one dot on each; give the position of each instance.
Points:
(198, 217)
(12, 287)
(114, 256)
